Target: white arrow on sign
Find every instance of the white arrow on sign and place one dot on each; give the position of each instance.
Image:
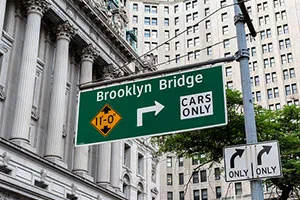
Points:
(140, 111)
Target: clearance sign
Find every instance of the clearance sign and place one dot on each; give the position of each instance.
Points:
(164, 104)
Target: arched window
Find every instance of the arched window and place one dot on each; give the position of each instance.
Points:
(126, 185)
(140, 192)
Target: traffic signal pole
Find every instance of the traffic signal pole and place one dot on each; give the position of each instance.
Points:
(243, 57)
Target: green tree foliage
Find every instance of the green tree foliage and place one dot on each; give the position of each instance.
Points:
(282, 125)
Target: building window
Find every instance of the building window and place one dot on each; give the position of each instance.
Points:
(176, 32)
(218, 192)
(224, 17)
(285, 74)
(258, 96)
(203, 176)
(177, 45)
(177, 58)
(270, 94)
(195, 15)
(294, 88)
(268, 78)
(169, 162)
(167, 34)
(140, 164)
(147, 9)
(154, 9)
(197, 54)
(206, 11)
(167, 59)
(126, 184)
(223, 3)
(170, 196)
(196, 41)
(204, 195)
(154, 21)
(225, 30)
(188, 5)
(189, 30)
(276, 92)
(195, 160)
(209, 51)
(135, 19)
(194, 3)
(196, 195)
(140, 192)
(166, 22)
(196, 28)
(207, 24)
(238, 188)
(135, 7)
(166, 10)
(169, 179)
(195, 177)
(176, 8)
(253, 51)
(289, 57)
(176, 20)
(208, 37)
(229, 85)
(181, 179)
(226, 43)
(287, 90)
(217, 173)
(147, 21)
(256, 80)
(228, 71)
(274, 77)
(189, 43)
(283, 59)
(167, 47)
(190, 55)
(154, 34)
(292, 72)
(127, 152)
(188, 18)
(181, 195)
(147, 33)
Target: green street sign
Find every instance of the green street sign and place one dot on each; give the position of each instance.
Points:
(168, 103)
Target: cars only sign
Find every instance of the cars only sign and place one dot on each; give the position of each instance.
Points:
(253, 161)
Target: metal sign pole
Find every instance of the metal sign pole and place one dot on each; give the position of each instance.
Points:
(250, 126)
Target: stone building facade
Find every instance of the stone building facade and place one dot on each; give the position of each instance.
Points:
(48, 48)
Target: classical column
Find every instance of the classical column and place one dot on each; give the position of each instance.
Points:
(2, 15)
(115, 165)
(35, 11)
(57, 109)
(104, 155)
(104, 165)
(88, 55)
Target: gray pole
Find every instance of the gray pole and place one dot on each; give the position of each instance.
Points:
(250, 126)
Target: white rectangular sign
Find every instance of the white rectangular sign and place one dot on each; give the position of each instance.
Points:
(252, 161)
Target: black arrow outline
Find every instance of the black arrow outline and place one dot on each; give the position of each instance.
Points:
(106, 109)
(266, 149)
(105, 130)
(239, 152)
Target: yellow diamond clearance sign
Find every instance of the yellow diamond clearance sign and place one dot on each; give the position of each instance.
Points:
(163, 104)
(105, 120)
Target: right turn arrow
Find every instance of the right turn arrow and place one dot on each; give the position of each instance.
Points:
(239, 152)
(266, 149)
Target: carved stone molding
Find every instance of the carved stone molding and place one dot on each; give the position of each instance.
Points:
(65, 30)
(89, 52)
(109, 72)
(39, 6)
